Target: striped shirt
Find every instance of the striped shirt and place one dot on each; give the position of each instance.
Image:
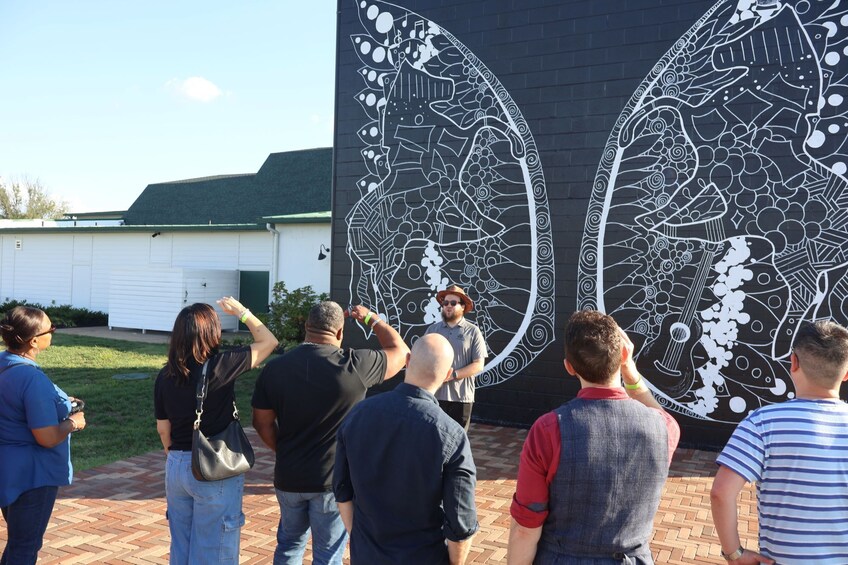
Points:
(797, 454)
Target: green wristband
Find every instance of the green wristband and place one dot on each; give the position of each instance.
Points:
(244, 316)
(367, 318)
(635, 386)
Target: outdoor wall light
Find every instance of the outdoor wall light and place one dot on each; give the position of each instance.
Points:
(156, 233)
(323, 251)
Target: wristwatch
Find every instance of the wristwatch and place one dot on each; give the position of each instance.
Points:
(733, 556)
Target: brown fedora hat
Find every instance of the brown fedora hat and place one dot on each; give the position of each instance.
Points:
(454, 289)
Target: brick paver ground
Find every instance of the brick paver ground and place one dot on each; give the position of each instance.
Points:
(116, 513)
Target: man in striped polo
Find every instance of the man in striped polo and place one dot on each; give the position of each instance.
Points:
(797, 453)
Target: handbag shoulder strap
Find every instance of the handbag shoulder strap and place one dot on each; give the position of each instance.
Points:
(202, 386)
(201, 394)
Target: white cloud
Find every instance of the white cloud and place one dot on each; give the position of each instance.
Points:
(322, 121)
(194, 88)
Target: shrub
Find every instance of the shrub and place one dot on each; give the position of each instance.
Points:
(228, 342)
(64, 316)
(288, 312)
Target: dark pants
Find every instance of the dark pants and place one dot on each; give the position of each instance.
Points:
(26, 522)
(460, 412)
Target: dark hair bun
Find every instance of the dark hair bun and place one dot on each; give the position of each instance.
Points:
(19, 325)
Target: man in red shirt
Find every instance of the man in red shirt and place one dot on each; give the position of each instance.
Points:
(592, 471)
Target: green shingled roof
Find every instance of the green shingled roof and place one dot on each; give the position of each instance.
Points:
(294, 182)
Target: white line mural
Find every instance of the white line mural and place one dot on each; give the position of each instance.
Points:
(718, 219)
(454, 191)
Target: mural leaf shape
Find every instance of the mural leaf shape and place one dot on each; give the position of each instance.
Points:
(717, 223)
(454, 191)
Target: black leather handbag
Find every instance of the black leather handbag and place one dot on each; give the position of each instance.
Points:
(224, 455)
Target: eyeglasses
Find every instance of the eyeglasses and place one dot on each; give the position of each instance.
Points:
(451, 302)
(50, 331)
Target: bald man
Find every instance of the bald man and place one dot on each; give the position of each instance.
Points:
(404, 477)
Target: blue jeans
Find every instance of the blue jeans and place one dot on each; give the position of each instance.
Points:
(299, 511)
(205, 518)
(26, 522)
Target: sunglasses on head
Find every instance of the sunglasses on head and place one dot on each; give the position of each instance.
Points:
(450, 302)
(49, 331)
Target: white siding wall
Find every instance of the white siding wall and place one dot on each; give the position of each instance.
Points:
(298, 260)
(150, 298)
(81, 271)
(254, 251)
(83, 245)
(202, 250)
(110, 252)
(161, 248)
(7, 267)
(50, 268)
(147, 299)
(40, 271)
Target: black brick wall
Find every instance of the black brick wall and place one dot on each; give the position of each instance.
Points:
(571, 67)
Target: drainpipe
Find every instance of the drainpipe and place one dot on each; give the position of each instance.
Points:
(275, 255)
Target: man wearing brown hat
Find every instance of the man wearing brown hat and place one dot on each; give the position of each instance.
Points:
(456, 395)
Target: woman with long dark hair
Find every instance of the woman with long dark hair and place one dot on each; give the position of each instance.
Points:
(35, 424)
(204, 518)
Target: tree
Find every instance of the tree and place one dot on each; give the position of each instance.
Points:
(28, 199)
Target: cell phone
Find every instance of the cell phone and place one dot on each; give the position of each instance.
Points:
(77, 405)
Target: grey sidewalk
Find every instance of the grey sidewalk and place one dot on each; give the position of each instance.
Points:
(119, 333)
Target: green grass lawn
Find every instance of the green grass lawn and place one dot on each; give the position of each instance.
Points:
(119, 414)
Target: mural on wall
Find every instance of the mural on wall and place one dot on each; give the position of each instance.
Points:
(718, 220)
(453, 192)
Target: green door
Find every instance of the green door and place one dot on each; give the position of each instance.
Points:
(253, 291)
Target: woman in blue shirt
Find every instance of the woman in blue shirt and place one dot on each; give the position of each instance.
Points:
(35, 423)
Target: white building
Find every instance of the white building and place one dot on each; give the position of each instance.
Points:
(265, 227)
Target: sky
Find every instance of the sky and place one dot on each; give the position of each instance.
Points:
(98, 99)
